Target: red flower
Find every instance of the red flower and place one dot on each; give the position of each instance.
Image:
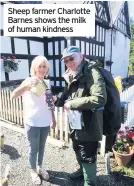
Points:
(123, 137)
(13, 57)
(126, 127)
(3, 57)
(130, 134)
(120, 132)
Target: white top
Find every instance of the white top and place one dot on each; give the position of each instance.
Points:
(36, 112)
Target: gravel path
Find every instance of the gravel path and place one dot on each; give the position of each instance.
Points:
(59, 163)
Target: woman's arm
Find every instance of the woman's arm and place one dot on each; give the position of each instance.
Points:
(26, 85)
(20, 90)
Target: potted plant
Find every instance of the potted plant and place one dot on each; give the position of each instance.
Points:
(123, 147)
(10, 64)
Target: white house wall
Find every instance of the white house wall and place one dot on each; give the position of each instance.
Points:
(120, 53)
(36, 48)
(62, 2)
(20, 46)
(5, 48)
(1, 17)
(2, 73)
(6, 45)
(22, 72)
(52, 51)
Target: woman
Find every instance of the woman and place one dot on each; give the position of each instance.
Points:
(37, 116)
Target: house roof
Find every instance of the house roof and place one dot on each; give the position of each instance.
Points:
(115, 7)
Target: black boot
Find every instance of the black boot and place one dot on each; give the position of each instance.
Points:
(79, 173)
(76, 175)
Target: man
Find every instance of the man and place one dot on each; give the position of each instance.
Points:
(85, 92)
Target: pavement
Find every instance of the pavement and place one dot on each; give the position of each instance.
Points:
(58, 161)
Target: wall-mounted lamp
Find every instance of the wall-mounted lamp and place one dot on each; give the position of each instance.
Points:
(109, 63)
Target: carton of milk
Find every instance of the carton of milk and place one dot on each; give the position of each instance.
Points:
(39, 88)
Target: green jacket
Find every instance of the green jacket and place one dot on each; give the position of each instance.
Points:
(86, 93)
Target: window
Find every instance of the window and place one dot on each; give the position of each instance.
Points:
(121, 23)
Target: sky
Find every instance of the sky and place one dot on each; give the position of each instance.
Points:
(131, 8)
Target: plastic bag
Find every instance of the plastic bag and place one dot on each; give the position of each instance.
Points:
(118, 83)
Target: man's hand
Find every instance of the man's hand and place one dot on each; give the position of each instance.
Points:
(67, 105)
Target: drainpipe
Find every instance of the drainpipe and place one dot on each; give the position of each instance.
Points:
(111, 46)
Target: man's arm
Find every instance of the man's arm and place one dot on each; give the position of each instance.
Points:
(98, 94)
(61, 98)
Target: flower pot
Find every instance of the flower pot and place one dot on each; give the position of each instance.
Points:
(123, 159)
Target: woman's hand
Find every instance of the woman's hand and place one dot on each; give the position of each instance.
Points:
(67, 105)
(31, 82)
(53, 120)
(54, 99)
(54, 124)
(26, 85)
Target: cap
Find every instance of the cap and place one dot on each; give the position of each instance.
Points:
(69, 51)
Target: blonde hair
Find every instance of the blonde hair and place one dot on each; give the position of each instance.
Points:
(36, 62)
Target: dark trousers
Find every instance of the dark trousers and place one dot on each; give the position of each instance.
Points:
(110, 140)
(86, 154)
(86, 151)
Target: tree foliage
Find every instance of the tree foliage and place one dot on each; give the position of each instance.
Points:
(131, 59)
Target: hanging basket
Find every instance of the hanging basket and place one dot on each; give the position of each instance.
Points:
(123, 159)
(10, 64)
